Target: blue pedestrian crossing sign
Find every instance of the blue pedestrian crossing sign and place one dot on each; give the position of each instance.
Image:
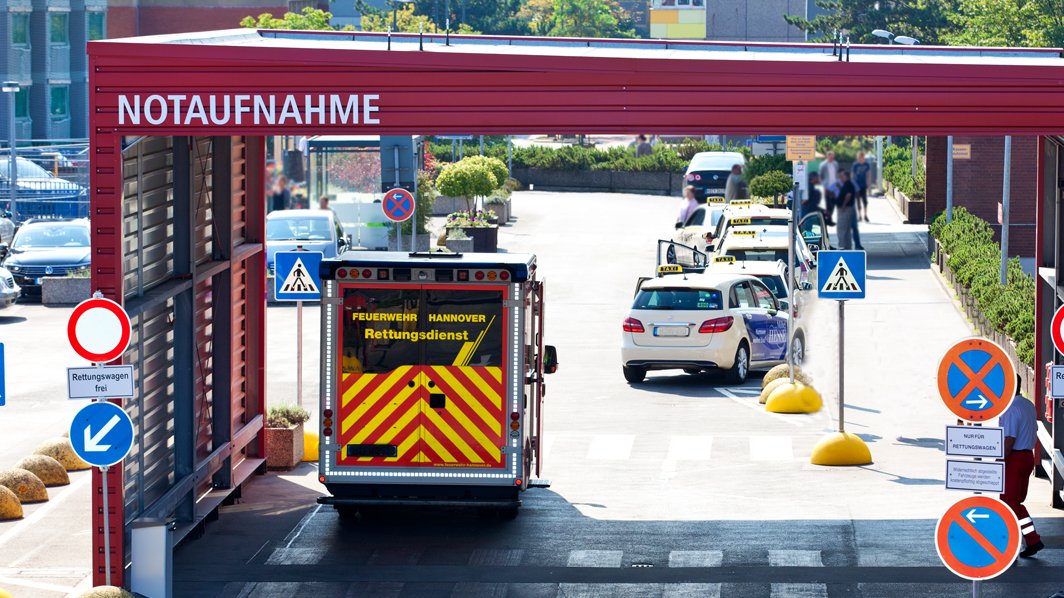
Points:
(101, 434)
(841, 274)
(296, 276)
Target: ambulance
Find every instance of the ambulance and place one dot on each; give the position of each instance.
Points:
(432, 380)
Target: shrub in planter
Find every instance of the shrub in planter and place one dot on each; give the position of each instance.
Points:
(771, 184)
(284, 436)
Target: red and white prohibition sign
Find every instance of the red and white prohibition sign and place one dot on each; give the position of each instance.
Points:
(1055, 329)
(99, 330)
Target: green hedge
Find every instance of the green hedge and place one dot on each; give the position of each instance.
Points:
(975, 259)
(664, 158)
(898, 169)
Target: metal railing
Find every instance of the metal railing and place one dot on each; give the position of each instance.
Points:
(51, 182)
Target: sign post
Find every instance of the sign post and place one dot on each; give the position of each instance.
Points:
(398, 206)
(3, 378)
(842, 276)
(298, 279)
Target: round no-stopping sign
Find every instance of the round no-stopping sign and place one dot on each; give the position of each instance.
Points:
(99, 330)
(398, 204)
(978, 537)
(976, 379)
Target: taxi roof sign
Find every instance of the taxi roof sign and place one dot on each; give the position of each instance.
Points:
(740, 202)
(738, 221)
(745, 233)
(670, 269)
(724, 259)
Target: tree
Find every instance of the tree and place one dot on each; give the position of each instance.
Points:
(923, 19)
(308, 19)
(469, 179)
(1024, 23)
(771, 184)
(406, 19)
(577, 18)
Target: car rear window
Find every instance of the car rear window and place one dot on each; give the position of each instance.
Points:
(678, 298)
(758, 255)
(298, 229)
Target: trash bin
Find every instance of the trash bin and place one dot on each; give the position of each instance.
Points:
(152, 558)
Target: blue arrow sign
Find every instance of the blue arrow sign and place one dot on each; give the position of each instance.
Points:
(841, 274)
(101, 434)
(3, 378)
(296, 275)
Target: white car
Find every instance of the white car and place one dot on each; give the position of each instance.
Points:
(698, 322)
(774, 275)
(702, 222)
(767, 244)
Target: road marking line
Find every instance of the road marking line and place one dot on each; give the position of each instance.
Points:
(696, 558)
(691, 590)
(610, 447)
(771, 448)
(690, 448)
(595, 558)
(44, 509)
(795, 558)
(799, 590)
(37, 585)
(758, 408)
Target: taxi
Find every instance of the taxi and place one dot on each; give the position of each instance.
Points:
(702, 221)
(703, 322)
(774, 275)
(767, 244)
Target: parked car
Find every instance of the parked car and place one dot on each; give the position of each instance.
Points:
(708, 172)
(699, 225)
(312, 230)
(698, 322)
(40, 194)
(9, 290)
(48, 248)
(767, 243)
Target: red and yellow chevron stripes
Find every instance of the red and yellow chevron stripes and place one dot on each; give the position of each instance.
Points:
(394, 408)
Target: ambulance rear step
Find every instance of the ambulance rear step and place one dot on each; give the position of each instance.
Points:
(413, 502)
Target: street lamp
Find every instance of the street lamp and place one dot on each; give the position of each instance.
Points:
(884, 34)
(906, 40)
(12, 87)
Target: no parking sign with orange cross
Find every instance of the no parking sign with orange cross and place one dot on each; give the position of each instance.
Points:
(976, 379)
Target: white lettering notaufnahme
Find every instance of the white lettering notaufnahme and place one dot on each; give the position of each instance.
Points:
(248, 109)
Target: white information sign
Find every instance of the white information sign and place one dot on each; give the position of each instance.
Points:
(108, 382)
(1056, 386)
(970, 441)
(975, 476)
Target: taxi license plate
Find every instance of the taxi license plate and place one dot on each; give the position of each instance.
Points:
(671, 331)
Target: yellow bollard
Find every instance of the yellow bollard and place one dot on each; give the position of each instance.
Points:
(310, 446)
(766, 392)
(794, 398)
(841, 448)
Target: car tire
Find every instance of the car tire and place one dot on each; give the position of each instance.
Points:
(740, 368)
(798, 348)
(634, 375)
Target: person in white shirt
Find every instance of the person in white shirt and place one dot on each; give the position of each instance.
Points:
(688, 207)
(1020, 428)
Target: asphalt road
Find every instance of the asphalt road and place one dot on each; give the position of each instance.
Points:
(680, 486)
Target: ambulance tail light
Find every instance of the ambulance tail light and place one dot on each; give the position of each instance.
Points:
(479, 275)
(341, 273)
(504, 275)
(716, 325)
(515, 416)
(326, 432)
(515, 426)
(327, 413)
(634, 325)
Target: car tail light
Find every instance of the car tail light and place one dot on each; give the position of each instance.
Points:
(479, 275)
(633, 325)
(716, 325)
(690, 177)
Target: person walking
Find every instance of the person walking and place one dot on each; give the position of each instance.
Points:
(829, 175)
(642, 147)
(1020, 428)
(280, 197)
(845, 211)
(735, 188)
(811, 203)
(688, 207)
(862, 179)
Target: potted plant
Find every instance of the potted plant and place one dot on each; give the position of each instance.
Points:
(458, 241)
(472, 178)
(773, 183)
(479, 226)
(284, 436)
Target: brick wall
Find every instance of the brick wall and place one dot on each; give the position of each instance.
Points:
(977, 184)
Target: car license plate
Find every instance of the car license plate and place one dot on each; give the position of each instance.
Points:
(671, 331)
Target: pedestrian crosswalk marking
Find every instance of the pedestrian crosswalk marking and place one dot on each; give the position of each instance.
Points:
(799, 590)
(610, 447)
(595, 558)
(298, 281)
(841, 280)
(771, 448)
(795, 558)
(696, 558)
(690, 448)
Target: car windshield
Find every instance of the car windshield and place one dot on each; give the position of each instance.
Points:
(298, 229)
(775, 284)
(669, 298)
(758, 255)
(26, 169)
(51, 235)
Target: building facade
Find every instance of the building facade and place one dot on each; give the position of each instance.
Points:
(729, 20)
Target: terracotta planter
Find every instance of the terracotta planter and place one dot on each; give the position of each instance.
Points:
(284, 447)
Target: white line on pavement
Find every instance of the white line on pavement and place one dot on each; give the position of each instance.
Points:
(43, 510)
(37, 585)
(757, 407)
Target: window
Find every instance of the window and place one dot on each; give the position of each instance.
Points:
(22, 103)
(97, 26)
(60, 102)
(57, 24)
(741, 296)
(764, 297)
(689, 299)
(20, 29)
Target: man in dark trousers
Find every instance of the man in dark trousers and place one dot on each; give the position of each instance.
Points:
(1020, 424)
(812, 203)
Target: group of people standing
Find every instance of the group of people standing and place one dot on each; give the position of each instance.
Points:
(845, 197)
